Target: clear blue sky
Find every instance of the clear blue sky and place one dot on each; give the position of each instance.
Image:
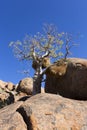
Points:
(18, 17)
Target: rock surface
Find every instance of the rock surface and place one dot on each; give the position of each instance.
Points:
(68, 80)
(25, 86)
(10, 119)
(45, 112)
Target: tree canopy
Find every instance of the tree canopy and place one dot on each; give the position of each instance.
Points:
(49, 43)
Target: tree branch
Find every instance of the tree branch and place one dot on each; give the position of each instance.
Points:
(46, 54)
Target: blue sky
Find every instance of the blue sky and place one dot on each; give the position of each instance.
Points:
(19, 17)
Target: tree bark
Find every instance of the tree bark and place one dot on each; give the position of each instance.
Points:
(37, 80)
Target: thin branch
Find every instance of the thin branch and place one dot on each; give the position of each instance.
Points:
(46, 54)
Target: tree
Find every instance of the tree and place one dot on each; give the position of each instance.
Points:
(35, 48)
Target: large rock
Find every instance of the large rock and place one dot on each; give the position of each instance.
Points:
(68, 79)
(25, 86)
(45, 112)
(10, 119)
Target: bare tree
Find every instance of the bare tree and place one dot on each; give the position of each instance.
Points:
(38, 47)
(69, 43)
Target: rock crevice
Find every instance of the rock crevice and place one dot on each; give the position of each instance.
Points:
(26, 118)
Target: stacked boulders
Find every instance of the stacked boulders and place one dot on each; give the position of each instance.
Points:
(6, 95)
(10, 93)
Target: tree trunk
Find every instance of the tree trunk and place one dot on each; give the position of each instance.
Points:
(37, 80)
(38, 76)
